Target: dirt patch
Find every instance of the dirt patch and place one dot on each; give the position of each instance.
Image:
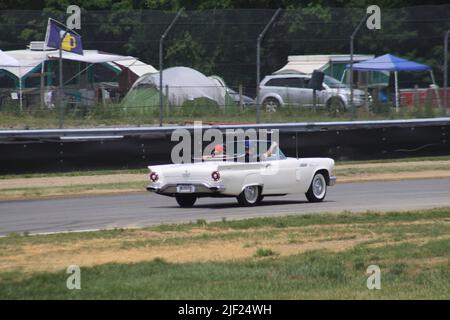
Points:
(412, 239)
(54, 257)
(44, 182)
(430, 174)
(400, 165)
(198, 245)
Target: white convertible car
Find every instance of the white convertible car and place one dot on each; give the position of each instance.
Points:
(249, 176)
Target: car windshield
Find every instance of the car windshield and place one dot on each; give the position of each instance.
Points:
(333, 83)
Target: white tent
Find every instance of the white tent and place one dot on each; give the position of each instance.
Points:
(183, 84)
(22, 62)
(89, 56)
(8, 61)
(31, 59)
(138, 67)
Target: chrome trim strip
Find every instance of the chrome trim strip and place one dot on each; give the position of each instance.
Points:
(199, 187)
(332, 181)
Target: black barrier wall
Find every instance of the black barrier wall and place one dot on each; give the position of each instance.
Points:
(93, 149)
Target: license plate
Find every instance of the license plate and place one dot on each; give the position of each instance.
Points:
(185, 188)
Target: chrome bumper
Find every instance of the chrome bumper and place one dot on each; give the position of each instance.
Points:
(332, 181)
(200, 187)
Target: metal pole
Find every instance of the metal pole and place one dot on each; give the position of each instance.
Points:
(436, 90)
(61, 83)
(42, 82)
(20, 91)
(161, 66)
(446, 70)
(61, 86)
(396, 91)
(352, 38)
(258, 61)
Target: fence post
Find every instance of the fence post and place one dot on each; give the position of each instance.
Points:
(258, 61)
(161, 66)
(352, 38)
(167, 98)
(241, 102)
(446, 70)
(416, 96)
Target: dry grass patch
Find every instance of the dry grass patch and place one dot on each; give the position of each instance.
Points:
(203, 244)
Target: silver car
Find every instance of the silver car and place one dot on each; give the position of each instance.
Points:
(293, 89)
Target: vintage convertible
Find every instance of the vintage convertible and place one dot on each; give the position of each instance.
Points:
(260, 169)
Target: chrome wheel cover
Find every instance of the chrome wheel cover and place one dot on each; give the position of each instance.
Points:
(251, 194)
(319, 186)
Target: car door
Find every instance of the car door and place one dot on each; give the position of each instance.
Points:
(322, 96)
(300, 93)
(278, 174)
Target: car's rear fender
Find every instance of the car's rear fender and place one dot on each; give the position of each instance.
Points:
(274, 96)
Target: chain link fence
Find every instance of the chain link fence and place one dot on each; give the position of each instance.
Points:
(211, 64)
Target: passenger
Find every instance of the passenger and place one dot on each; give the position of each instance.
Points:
(218, 150)
(271, 151)
(216, 153)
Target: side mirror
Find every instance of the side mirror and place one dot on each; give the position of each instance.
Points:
(316, 80)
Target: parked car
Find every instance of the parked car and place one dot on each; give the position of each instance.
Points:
(260, 170)
(246, 100)
(278, 90)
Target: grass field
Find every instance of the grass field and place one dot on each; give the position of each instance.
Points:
(116, 115)
(317, 256)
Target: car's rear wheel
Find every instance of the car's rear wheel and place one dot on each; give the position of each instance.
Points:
(186, 201)
(336, 105)
(271, 104)
(250, 196)
(318, 188)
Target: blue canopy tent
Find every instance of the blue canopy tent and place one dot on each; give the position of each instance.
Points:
(394, 64)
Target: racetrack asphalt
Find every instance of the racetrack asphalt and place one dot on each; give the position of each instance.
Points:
(145, 209)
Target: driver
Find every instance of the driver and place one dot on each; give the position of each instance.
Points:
(250, 154)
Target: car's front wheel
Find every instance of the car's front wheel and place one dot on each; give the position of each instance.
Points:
(250, 196)
(186, 201)
(318, 188)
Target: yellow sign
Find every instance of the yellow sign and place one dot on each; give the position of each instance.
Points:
(69, 43)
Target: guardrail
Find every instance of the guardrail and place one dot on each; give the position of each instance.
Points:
(55, 150)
